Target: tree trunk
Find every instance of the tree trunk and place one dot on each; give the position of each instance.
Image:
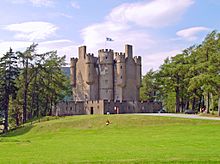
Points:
(193, 103)
(25, 106)
(182, 104)
(200, 102)
(46, 106)
(6, 101)
(219, 106)
(17, 118)
(25, 92)
(208, 102)
(37, 103)
(33, 98)
(177, 100)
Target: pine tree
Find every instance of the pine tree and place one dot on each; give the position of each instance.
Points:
(9, 73)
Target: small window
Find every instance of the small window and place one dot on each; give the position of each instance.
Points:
(121, 66)
(71, 108)
(106, 57)
(121, 77)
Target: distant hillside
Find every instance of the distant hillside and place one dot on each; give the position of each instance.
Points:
(66, 71)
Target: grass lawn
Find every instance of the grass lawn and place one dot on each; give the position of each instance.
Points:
(128, 139)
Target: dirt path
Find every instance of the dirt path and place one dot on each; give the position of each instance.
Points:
(191, 116)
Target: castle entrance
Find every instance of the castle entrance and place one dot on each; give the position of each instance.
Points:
(91, 110)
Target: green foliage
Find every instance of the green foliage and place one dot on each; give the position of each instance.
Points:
(193, 75)
(169, 102)
(8, 73)
(40, 84)
(148, 88)
(128, 139)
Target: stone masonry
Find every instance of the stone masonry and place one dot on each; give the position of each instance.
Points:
(108, 83)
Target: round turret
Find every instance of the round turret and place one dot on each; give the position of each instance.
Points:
(73, 62)
(137, 60)
(89, 69)
(120, 69)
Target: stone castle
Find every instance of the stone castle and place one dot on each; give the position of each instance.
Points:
(110, 76)
(108, 83)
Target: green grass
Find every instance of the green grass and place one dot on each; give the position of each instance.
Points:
(128, 139)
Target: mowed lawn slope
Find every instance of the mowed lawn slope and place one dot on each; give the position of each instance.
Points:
(128, 139)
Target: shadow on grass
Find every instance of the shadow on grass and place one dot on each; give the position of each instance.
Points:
(17, 131)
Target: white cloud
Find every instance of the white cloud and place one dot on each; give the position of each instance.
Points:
(63, 47)
(124, 24)
(40, 3)
(191, 34)
(32, 31)
(65, 15)
(74, 5)
(15, 45)
(37, 3)
(155, 13)
(154, 60)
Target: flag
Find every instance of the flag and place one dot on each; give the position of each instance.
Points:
(109, 39)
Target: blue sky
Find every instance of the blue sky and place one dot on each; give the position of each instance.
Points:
(156, 28)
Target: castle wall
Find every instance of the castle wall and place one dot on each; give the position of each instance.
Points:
(103, 107)
(68, 108)
(117, 107)
(94, 107)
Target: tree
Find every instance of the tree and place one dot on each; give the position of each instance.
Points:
(148, 89)
(9, 72)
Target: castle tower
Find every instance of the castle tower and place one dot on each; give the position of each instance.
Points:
(137, 60)
(89, 68)
(128, 51)
(120, 75)
(82, 52)
(73, 62)
(120, 69)
(106, 74)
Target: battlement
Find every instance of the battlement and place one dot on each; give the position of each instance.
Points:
(73, 59)
(119, 57)
(137, 60)
(106, 56)
(90, 58)
(106, 51)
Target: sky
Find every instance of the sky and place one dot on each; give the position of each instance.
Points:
(157, 29)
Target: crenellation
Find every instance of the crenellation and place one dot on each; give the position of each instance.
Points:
(105, 51)
(108, 83)
(137, 60)
(120, 57)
